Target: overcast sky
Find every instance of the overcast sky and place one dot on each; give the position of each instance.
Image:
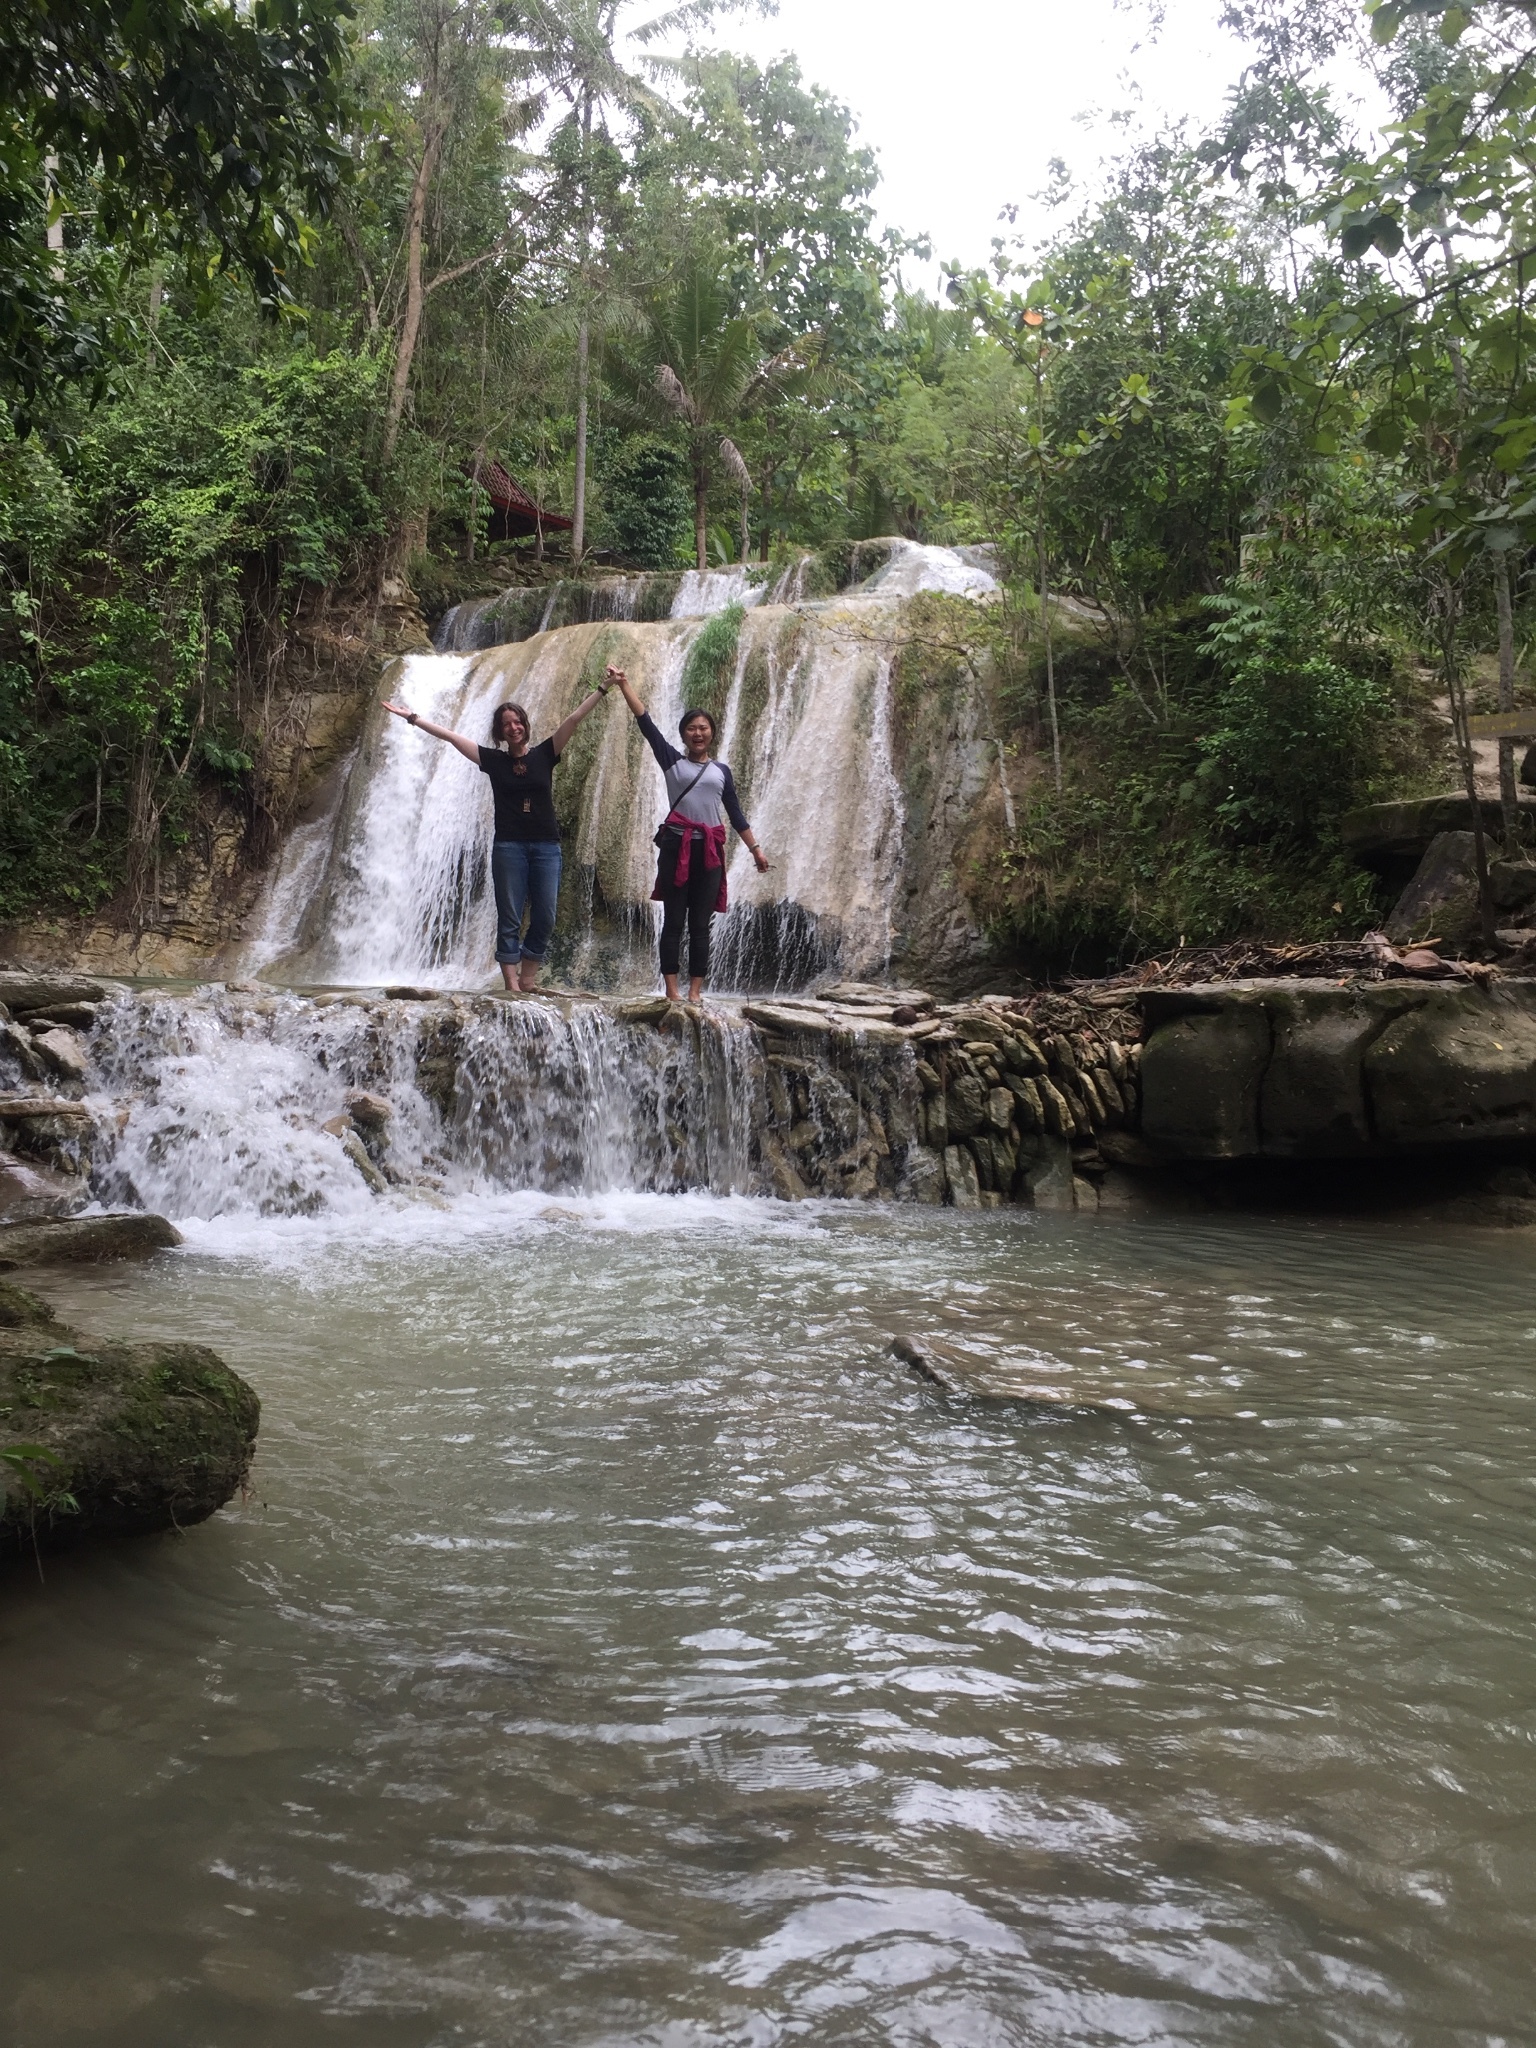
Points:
(967, 102)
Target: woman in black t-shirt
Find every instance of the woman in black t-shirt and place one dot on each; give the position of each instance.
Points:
(525, 852)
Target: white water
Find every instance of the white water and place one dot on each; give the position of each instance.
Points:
(395, 889)
(214, 1105)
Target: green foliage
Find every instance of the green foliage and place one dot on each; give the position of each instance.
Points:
(711, 665)
(168, 127)
(1297, 733)
(1199, 827)
(648, 504)
(137, 564)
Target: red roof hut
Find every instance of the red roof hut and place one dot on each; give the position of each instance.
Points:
(513, 513)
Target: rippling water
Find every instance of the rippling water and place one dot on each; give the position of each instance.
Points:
(620, 1647)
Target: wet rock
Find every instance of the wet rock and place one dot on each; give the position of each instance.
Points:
(1044, 1174)
(76, 1016)
(369, 1112)
(961, 1176)
(79, 1240)
(16, 1053)
(798, 1020)
(1441, 899)
(404, 993)
(922, 1177)
(137, 1437)
(30, 1191)
(1060, 1120)
(967, 1105)
(649, 1010)
(62, 1051)
(23, 992)
(48, 1128)
(357, 1152)
(936, 1122)
(783, 1176)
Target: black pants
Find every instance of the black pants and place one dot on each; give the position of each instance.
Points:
(694, 903)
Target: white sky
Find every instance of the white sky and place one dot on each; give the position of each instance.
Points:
(966, 101)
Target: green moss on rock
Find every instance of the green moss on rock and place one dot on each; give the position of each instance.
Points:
(116, 1439)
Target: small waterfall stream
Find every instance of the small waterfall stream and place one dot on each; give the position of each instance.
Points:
(394, 886)
(226, 1104)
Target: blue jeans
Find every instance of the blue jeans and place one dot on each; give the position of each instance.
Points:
(525, 873)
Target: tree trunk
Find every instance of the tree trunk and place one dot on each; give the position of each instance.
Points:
(1050, 659)
(701, 515)
(1509, 794)
(415, 296)
(579, 511)
(1456, 690)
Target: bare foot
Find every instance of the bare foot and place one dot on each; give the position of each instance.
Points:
(528, 975)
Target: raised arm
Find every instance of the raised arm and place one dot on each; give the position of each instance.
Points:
(468, 748)
(560, 737)
(666, 754)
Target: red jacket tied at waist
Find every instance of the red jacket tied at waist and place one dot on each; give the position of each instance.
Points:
(713, 837)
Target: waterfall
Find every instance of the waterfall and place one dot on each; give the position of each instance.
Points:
(393, 886)
(224, 1104)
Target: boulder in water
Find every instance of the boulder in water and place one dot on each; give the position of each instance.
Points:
(24, 993)
(29, 1191)
(63, 1052)
(960, 1173)
(69, 1240)
(111, 1439)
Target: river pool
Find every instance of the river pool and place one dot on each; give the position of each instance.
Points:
(620, 1646)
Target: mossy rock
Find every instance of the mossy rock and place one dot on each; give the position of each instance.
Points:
(111, 1439)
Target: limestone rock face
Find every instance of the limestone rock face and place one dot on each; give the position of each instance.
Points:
(140, 1437)
(1295, 1070)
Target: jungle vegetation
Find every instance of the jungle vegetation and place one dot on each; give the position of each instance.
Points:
(1254, 431)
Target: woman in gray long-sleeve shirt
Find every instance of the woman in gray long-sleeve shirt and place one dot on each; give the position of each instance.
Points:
(690, 875)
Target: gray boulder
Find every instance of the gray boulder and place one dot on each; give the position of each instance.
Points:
(82, 1240)
(1441, 900)
(1295, 1070)
(960, 1173)
(23, 992)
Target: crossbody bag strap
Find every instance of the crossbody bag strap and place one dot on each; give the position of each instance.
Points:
(689, 789)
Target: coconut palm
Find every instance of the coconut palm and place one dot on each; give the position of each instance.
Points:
(705, 368)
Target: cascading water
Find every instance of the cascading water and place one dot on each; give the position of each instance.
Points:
(397, 888)
(223, 1104)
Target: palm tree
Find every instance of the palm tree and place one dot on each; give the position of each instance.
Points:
(704, 368)
(574, 41)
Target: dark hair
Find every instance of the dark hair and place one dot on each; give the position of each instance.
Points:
(699, 712)
(500, 712)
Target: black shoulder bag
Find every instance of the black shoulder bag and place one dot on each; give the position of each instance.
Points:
(663, 828)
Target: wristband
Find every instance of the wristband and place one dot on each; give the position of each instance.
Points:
(413, 718)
